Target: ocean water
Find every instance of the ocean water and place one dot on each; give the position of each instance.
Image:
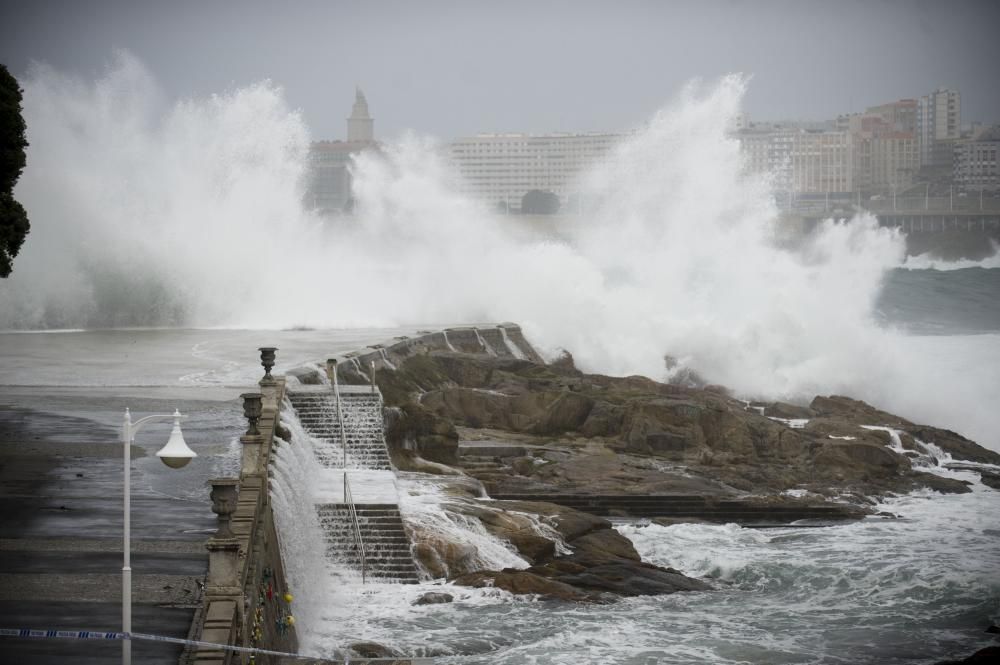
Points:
(915, 589)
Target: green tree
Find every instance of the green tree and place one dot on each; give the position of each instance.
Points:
(13, 218)
(537, 202)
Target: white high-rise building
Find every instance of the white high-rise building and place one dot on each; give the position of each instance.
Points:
(502, 168)
(939, 121)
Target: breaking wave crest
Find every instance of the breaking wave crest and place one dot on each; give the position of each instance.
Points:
(151, 213)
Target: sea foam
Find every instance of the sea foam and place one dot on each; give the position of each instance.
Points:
(146, 212)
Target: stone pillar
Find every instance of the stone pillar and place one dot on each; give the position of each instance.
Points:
(331, 370)
(253, 440)
(253, 453)
(223, 547)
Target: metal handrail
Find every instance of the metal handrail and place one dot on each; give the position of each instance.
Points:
(340, 419)
(349, 500)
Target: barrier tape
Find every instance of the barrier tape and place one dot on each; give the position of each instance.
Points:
(101, 635)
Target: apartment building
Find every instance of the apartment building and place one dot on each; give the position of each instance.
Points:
(939, 119)
(975, 162)
(500, 169)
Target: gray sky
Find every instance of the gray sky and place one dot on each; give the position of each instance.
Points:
(457, 68)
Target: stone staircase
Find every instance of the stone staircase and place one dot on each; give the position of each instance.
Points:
(387, 547)
(387, 556)
(362, 413)
(476, 465)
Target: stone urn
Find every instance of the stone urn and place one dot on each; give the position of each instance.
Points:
(252, 407)
(224, 498)
(267, 362)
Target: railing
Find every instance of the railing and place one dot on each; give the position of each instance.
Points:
(340, 419)
(349, 500)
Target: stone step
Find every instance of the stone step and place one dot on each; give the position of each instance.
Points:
(395, 558)
(362, 508)
(351, 551)
(368, 539)
(348, 537)
(377, 524)
(401, 556)
(372, 520)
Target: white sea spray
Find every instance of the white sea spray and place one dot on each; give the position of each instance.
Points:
(675, 255)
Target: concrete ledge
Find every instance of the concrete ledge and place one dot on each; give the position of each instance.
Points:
(490, 449)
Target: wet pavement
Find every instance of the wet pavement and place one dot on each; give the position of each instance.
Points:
(61, 528)
(62, 401)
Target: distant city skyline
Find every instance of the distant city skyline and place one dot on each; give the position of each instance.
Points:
(456, 69)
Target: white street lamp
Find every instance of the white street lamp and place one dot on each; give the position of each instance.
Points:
(174, 454)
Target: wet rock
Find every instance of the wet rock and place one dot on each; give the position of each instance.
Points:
(624, 578)
(524, 582)
(987, 656)
(373, 650)
(941, 484)
(567, 413)
(873, 457)
(434, 598)
(788, 411)
(955, 444)
(414, 429)
(442, 558)
(604, 419)
(990, 478)
(307, 376)
(602, 561)
(595, 429)
(671, 521)
(606, 544)
(563, 361)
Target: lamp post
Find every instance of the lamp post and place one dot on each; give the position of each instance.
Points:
(174, 454)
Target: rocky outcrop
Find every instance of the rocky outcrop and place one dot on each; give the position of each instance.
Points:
(434, 598)
(412, 431)
(601, 564)
(855, 412)
(986, 656)
(593, 433)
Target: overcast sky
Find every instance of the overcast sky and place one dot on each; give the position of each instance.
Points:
(457, 68)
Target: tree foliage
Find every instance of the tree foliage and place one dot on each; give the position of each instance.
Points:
(13, 218)
(537, 202)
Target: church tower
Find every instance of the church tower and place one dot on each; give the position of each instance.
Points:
(360, 126)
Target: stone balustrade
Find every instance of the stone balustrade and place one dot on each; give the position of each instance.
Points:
(246, 600)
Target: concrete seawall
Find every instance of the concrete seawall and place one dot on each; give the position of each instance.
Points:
(245, 594)
(245, 602)
(504, 340)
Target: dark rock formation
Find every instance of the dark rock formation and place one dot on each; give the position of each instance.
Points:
(635, 435)
(434, 598)
(373, 650)
(987, 656)
(602, 563)
(990, 479)
(542, 431)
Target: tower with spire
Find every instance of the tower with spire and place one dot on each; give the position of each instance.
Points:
(360, 126)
